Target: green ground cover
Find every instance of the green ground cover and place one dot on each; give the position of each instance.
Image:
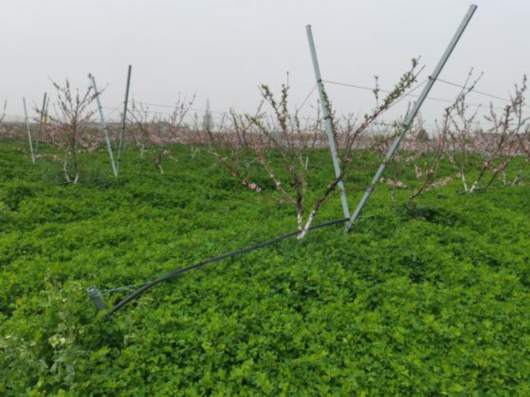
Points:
(433, 299)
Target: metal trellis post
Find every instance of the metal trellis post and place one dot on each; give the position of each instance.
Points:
(327, 119)
(28, 131)
(124, 118)
(104, 127)
(405, 126)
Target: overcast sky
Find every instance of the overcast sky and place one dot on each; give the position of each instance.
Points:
(223, 49)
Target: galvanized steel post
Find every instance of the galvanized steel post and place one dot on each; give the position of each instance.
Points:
(28, 131)
(405, 126)
(104, 127)
(124, 118)
(328, 123)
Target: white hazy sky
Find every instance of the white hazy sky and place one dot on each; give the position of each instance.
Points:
(223, 49)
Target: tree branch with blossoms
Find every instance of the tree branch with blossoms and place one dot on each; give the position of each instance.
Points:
(280, 146)
(68, 128)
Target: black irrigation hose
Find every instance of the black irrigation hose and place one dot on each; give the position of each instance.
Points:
(175, 273)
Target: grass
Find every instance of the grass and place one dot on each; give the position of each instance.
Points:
(428, 299)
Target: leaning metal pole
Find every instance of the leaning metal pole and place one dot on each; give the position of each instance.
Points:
(124, 118)
(104, 126)
(405, 126)
(327, 119)
(28, 130)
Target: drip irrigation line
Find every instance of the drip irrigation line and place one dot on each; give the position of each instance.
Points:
(175, 273)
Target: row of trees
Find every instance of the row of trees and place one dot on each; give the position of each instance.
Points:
(280, 143)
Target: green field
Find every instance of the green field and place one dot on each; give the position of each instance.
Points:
(426, 300)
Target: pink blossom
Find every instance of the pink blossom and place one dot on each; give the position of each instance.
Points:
(155, 140)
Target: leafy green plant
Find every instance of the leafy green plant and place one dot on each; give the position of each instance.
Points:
(427, 300)
(14, 193)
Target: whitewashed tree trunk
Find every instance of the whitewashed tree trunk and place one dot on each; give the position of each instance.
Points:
(308, 224)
